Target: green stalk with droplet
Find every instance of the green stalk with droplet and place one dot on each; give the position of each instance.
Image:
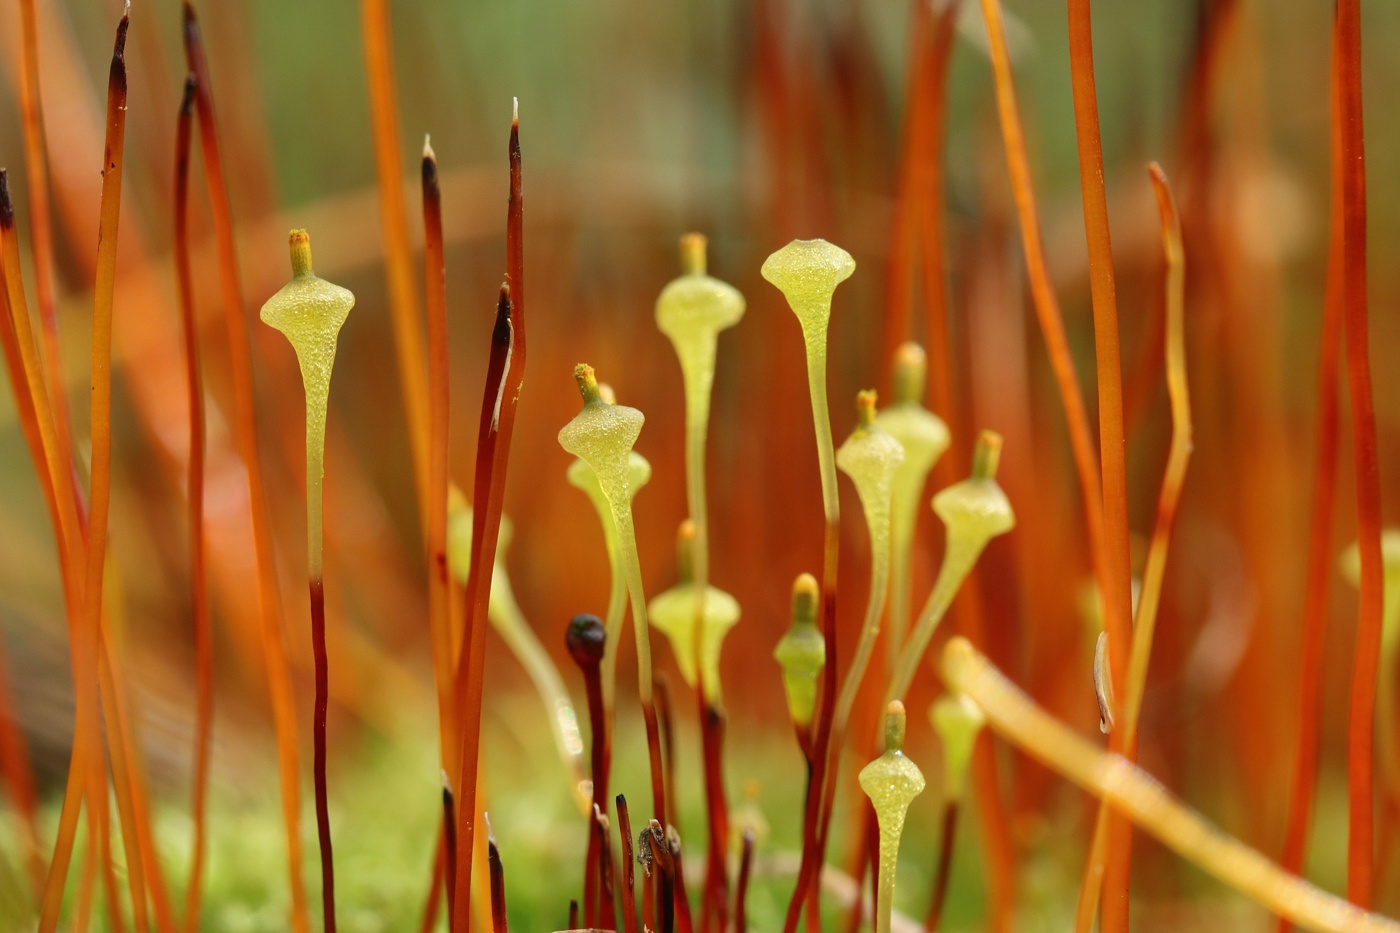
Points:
(1390, 649)
(891, 781)
(509, 621)
(871, 458)
(602, 435)
(924, 437)
(309, 311)
(974, 511)
(581, 476)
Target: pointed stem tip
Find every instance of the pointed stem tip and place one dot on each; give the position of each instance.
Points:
(299, 243)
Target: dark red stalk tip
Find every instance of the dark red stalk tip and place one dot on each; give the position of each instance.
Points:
(586, 640)
(7, 206)
(573, 913)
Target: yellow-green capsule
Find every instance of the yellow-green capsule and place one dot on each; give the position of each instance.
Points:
(891, 781)
(974, 511)
(925, 439)
(673, 613)
(870, 458)
(807, 273)
(958, 721)
(802, 652)
(309, 311)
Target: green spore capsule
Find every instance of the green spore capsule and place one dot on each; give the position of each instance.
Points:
(673, 613)
(506, 617)
(891, 781)
(581, 476)
(602, 436)
(802, 652)
(870, 458)
(807, 273)
(958, 721)
(974, 511)
(925, 439)
(309, 311)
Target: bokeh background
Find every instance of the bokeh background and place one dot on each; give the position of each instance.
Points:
(753, 123)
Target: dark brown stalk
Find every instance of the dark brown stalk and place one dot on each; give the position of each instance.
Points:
(573, 913)
(449, 848)
(586, 639)
(246, 433)
(1361, 726)
(1117, 595)
(945, 866)
(504, 378)
(607, 900)
(629, 870)
(318, 761)
(194, 389)
(716, 893)
(664, 872)
(741, 888)
(498, 882)
(439, 443)
(684, 921)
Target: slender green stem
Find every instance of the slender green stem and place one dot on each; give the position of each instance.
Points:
(958, 562)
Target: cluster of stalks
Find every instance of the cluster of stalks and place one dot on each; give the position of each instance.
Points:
(889, 458)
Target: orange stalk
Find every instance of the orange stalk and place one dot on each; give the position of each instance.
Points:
(504, 378)
(439, 589)
(1117, 572)
(245, 428)
(194, 388)
(1168, 500)
(398, 252)
(1320, 541)
(41, 223)
(1350, 156)
(1047, 307)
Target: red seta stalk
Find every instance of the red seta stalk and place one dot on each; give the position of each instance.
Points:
(629, 872)
(586, 639)
(504, 376)
(1351, 157)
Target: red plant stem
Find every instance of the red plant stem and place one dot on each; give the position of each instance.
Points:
(471, 670)
(436, 886)
(41, 226)
(398, 251)
(935, 278)
(945, 866)
(246, 433)
(813, 836)
(498, 886)
(573, 913)
(649, 902)
(1312, 649)
(668, 737)
(449, 849)
(18, 772)
(1351, 157)
(439, 596)
(504, 378)
(194, 388)
(318, 738)
(741, 888)
(629, 872)
(607, 919)
(1117, 594)
(684, 921)
(586, 638)
(716, 893)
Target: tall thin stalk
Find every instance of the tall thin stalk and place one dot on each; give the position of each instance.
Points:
(194, 388)
(279, 678)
